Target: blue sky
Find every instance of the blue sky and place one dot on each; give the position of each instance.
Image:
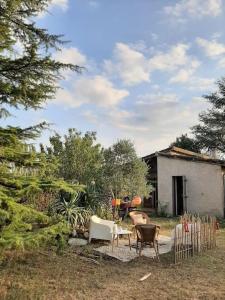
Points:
(147, 64)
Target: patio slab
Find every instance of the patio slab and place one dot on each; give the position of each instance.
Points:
(124, 254)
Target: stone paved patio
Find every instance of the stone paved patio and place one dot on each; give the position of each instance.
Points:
(124, 254)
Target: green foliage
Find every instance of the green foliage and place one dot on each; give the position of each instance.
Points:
(23, 171)
(90, 198)
(103, 211)
(124, 173)
(75, 215)
(210, 133)
(94, 196)
(185, 142)
(24, 228)
(162, 210)
(23, 179)
(28, 76)
(116, 171)
(80, 158)
(60, 244)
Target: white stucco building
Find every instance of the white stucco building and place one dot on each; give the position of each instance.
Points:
(186, 181)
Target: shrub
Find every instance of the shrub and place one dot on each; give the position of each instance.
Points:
(103, 211)
(25, 228)
(162, 209)
(75, 215)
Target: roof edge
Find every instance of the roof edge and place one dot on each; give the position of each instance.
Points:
(176, 152)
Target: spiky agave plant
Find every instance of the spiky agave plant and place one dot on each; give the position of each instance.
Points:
(75, 215)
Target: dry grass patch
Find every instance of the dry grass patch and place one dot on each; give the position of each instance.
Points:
(48, 276)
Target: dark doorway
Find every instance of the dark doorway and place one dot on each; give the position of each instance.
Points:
(151, 201)
(179, 195)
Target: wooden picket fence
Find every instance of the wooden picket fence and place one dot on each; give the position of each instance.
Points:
(193, 236)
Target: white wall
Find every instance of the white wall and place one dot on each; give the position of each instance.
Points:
(204, 185)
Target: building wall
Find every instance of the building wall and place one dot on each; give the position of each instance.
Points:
(205, 189)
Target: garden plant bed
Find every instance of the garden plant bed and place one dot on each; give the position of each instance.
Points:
(45, 275)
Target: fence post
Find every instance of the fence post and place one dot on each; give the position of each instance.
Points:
(198, 236)
(175, 245)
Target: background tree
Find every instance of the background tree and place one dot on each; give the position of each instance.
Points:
(210, 133)
(124, 173)
(185, 142)
(80, 157)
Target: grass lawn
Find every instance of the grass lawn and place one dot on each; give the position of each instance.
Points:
(45, 275)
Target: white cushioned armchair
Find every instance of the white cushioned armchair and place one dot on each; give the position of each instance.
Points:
(101, 229)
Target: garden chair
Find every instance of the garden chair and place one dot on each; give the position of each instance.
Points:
(147, 235)
(101, 229)
(139, 217)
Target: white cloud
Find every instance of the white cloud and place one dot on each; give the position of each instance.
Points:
(182, 76)
(202, 84)
(129, 64)
(70, 55)
(176, 57)
(211, 48)
(192, 82)
(133, 67)
(139, 46)
(153, 122)
(166, 115)
(194, 8)
(95, 90)
(221, 63)
(216, 35)
(157, 98)
(185, 74)
(73, 56)
(63, 4)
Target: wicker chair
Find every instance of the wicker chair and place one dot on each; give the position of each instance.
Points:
(139, 217)
(147, 235)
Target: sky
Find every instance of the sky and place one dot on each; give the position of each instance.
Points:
(147, 64)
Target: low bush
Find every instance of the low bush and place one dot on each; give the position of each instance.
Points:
(25, 228)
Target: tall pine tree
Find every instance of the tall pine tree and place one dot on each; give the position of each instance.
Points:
(210, 133)
(187, 143)
(28, 78)
(28, 75)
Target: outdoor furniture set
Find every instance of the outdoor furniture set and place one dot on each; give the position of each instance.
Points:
(146, 233)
